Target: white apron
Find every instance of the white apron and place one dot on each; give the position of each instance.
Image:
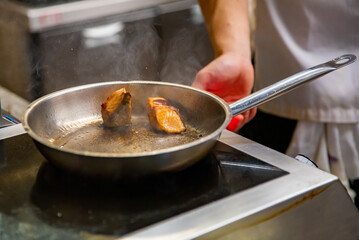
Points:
(293, 35)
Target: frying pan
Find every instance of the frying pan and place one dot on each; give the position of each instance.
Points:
(67, 129)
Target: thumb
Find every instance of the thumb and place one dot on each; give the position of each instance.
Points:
(202, 79)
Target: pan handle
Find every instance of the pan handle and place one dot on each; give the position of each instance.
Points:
(289, 83)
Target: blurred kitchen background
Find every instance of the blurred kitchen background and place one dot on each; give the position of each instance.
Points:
(48, 45)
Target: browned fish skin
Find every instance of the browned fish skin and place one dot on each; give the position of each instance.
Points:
(164, 117)
(116, 110)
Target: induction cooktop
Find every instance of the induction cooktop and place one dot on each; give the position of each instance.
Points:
(39, 199)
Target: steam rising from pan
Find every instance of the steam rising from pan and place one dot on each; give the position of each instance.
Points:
(171, 47)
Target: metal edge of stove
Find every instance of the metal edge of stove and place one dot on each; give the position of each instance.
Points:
(5, 122)
(39, 19)
(278, 209)
(11, 131)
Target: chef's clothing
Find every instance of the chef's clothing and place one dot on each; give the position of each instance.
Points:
(291, 36)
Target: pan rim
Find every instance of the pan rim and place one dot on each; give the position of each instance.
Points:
(47, 143)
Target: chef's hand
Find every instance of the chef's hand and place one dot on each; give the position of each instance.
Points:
(229, 76)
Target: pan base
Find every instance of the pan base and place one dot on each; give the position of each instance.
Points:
(134, 138)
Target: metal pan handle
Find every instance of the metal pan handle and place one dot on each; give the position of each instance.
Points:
(289, 83)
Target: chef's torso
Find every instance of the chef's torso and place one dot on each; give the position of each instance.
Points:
(293, 35)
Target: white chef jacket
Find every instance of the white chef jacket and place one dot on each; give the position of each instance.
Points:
(293, 35)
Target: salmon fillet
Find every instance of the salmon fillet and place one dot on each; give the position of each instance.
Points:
(164, 117)
(116, 110)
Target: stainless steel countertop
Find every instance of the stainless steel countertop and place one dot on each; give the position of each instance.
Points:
(43, 18)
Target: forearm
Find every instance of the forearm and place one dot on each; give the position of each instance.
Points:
(228, 25)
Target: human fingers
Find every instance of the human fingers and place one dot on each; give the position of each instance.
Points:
(201, 79)
(220, 74)
(239, 121)
(252, 113)
(235, 123)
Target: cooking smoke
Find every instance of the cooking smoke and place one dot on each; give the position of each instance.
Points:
(171, 47)
(186, 47)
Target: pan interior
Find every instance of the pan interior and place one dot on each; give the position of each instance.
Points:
(134, 138)
(71, 119)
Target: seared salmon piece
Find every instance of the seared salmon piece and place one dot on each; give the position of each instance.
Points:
(163, 116)
(116, 110)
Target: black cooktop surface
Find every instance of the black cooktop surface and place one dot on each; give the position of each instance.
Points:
(40, 200)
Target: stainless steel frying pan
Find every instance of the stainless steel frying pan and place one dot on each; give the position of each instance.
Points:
(67, 128)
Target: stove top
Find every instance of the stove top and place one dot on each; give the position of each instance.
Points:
(241, 190)
(49, 200)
